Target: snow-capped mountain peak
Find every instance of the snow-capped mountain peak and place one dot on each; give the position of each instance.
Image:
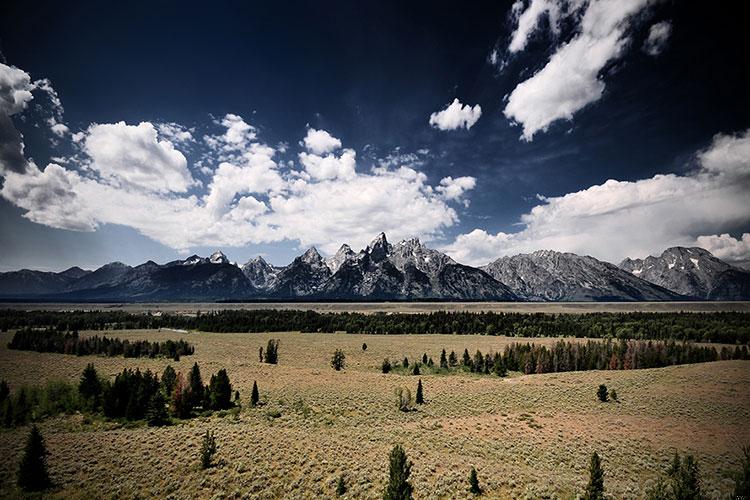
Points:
(218, 258)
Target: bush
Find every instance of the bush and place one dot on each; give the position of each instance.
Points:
(403, 398)
(398, 487)
(32, 473)
(601, 393)
(386, 367)
(613, 395)
(208, 449)
(338, 361)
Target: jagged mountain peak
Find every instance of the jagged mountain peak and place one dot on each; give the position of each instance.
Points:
(218, 257)
(343, 254)
(378, 248)
(311, 256)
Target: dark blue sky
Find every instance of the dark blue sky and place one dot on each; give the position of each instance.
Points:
(371, 74)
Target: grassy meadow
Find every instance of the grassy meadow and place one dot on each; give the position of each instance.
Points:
(529, 436)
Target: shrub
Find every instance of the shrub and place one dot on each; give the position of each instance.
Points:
(338, 361)
(404, 399)
(613, 395)
(208, 449)
(601, 393)
(32, 473)
(595, 488)
(386, 367)
(685, 475)
(474, 482)
(398, 487)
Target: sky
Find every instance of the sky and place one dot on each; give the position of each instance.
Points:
(155, 130)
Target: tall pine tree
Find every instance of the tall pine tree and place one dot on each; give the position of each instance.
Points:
(32, 473)
(420, 396)
(595, 488)
(398, 487)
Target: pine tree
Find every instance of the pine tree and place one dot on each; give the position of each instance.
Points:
(4, 391)
(157, 410)
(405, 364)
(424, 358)
(686, 483)
(220, 391)
(208, 449)
(595, 488)
(338, 361)
(341, 486)
(168, 379)
(90, 387)
(196, 386)
(272, 352)
(32, 473)
(181, 398)
(415, 369)
(466, 359)
(260, 354)
(453, 359)
(420, 396)
(398, 487)
(742, 481)
(254, 396)
(443, 360)
(498, 367)
(364, 346)
(474, 482)
(601, 393)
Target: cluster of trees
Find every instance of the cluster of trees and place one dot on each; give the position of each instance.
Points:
(271, 354)
(563, 356)
(132, 395)
(60, 341)
(721, 327)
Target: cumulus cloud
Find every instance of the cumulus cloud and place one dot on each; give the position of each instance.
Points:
(621, 219)
(320, 142)
(133, 154)
(454, 189)
(175, 133)
(330, 166)
(571, 78)
(529, 19)
(15, 94)
(658, 36)
(455, 116)
(728, 248)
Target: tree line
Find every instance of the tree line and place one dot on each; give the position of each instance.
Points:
(719, 327)
(53, 340)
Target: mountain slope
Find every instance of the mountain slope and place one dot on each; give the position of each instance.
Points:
(546, 275)
(694, 272)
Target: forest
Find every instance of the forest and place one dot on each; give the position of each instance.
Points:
(718, 327)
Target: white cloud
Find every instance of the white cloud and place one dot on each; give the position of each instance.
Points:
(330, 166)
(456, 116)
(175, 133)
(320, 142)
(658, 36)
(570, 80)
(15, 90)
(620, 219)
(528, 20)
(725, 247)
(454, 189)
(133, 154)
(59, 129)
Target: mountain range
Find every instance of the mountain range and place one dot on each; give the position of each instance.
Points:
(407, 270)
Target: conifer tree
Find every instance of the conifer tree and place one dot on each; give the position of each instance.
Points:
(453, 359)
(220, 390)
(32, 473)
(443, 360)
(4, 391)
(398, 487)
(742, 481)
(254, 396)
(386, 367)
(340, 486)
(338, 361)
(156, 414)
(415, 370)
(364, 346)
(420, 396)
(405, 364)
(168, 379)
(196, 385)
(260, 354)
(424, 358)
(181, 398)
(466, 359)
(208, 449)
(474, 482)
(595, 488)
(90, 387)
(272, 352)
(601, 393)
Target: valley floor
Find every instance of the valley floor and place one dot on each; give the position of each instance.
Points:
(528, 436)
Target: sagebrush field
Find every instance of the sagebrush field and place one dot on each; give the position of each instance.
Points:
(529, 436)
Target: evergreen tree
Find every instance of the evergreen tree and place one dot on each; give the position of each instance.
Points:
(386, 367)
(443, 360)
(157, 410)
(260, 354)
(272, 352)
(338, 361)
(254, 396)
(341, 486)
(415, 369)
(405, 364)
(659, 491)
(601, 393)
(181, 398)
(4, 391)
(686, 483)
(498, 367)
(90, 387)
(466, 359)
(478, 363)
(742, 481)
(398, 487)
(453, 359)
(474, 482)
(32, 473)
(364, 346)
(220, 390)
(208, 449)
(168, 379)
(420, 396)
(595, 488)
(196, 386)
(424, 358)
